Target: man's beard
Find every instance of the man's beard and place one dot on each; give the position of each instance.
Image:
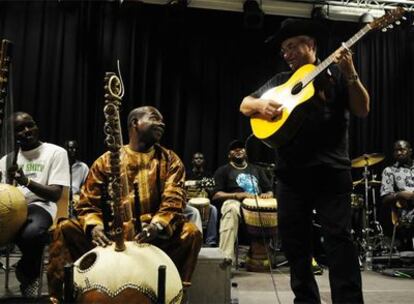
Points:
(238, 161)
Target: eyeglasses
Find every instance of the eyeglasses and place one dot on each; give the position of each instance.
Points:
(289, 47)
(293, 45)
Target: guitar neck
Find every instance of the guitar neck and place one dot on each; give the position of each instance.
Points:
(329, 60)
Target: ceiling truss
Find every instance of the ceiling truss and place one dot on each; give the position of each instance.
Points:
(341, 10)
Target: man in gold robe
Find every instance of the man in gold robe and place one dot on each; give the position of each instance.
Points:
(158, 174)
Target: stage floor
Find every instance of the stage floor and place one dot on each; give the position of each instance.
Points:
(258, 287)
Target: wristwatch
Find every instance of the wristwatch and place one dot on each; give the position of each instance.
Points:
(159, 226)
(146, 231)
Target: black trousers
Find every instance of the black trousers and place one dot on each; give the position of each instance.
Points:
(328, 192)
(31, 240)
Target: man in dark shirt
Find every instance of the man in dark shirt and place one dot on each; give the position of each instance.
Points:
(314, 166)
(236, 181)
(199, 174)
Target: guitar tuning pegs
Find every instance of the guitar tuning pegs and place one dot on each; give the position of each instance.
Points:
(384, 29)
(390, 26)
(398, 22)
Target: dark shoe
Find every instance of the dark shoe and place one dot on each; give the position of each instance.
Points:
(226, 263)
(30, 290)
(316, 269)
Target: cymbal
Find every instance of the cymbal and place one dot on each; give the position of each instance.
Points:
(367, 160)
(370, 182)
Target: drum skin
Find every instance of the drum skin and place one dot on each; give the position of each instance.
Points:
(199, 201)
(103, 275)
(13, 212)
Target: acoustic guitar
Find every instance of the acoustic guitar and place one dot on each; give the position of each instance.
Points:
(299, 89)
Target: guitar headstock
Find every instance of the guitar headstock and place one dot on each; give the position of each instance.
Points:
(5, 58)
(389, 18)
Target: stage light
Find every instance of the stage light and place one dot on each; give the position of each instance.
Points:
(178, 3)
(319, 13)
(252, 14)
(366, 18)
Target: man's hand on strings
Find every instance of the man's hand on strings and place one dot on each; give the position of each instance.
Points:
(149, 232)
(343, 57)
(99, 237)
(17, 174)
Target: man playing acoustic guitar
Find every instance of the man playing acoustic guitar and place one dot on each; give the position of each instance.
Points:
(314, 166)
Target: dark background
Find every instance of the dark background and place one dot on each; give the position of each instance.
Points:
(194, 65)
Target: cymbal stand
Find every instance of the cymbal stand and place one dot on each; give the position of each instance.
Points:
(377, 240)
(366, 212)
(372, 231)
(377, 225)
(366, 242)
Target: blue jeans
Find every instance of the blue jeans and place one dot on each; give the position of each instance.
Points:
(31, 240)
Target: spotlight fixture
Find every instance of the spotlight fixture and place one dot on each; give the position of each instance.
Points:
(366, 18)
(319, 13)
(252, 14)
(178, 3)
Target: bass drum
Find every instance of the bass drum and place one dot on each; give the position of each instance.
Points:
(104, 275)
(13, 212)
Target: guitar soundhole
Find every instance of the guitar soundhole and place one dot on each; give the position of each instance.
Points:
(297, 88)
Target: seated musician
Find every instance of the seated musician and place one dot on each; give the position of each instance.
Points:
(159, 174)
(397, 191)
(236, 181)
(41, 170)
(79, 170)
(198, 173)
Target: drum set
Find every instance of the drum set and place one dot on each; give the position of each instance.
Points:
(366, 229)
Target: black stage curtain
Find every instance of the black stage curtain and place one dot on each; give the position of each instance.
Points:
(194, 65)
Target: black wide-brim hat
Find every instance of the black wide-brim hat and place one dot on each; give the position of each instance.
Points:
(291, 27)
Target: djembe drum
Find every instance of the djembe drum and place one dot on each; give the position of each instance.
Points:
(13, 212)
(104, 275)
(261, 223)
(198, 197)
(203, 206)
